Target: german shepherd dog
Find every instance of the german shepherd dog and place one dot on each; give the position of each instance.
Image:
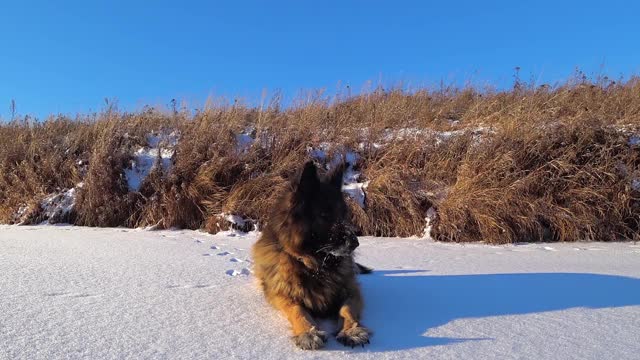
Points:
(304, 261)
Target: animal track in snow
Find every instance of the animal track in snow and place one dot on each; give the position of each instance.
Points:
(243, 271)
(84, 295)
(196, 286)
(68, 294)
(246, 271)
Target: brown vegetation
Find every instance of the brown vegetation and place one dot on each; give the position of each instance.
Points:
(528, 164)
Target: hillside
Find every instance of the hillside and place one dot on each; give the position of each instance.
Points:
(532, 163)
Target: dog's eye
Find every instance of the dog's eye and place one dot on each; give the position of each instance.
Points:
(324, 215)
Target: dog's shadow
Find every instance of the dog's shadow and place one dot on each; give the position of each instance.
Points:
(402, 305)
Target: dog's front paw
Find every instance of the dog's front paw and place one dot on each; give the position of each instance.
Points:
(313, 339)
(356, 336)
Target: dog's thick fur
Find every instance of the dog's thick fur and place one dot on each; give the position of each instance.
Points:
(304, 261)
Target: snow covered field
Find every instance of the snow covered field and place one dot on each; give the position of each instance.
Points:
(70, 292)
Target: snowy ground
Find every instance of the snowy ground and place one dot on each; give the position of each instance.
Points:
(69, 292)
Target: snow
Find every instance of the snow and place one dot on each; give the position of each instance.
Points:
(356, 192)
(57, 206)
(244, 141)
(71, 292)
(238, 224)
(352, 183)
(428, 219)
(234, 219)
(20, 214)
(440, 136)
(160, 147)
(53, 208)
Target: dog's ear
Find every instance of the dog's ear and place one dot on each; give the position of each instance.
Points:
(308, 180)
(336, 176)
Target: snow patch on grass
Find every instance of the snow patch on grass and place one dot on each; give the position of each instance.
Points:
(235, 219)
(239, 222)
(440, 136)
(430, 216)
(235, 225)
(53, 208)
(352, 182)
(356, 191)
(244, 140)
(160, 150)
(56, 207)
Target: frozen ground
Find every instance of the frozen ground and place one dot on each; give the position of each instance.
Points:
(70, 292)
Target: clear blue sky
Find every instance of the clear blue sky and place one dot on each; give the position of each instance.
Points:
(67, 56)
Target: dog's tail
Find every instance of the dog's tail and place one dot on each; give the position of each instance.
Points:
(363, 269)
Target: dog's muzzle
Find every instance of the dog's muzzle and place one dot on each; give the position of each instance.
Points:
(346, 238)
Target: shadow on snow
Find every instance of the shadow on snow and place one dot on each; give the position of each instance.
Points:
(401, 305)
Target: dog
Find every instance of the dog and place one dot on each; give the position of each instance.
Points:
(304, 261)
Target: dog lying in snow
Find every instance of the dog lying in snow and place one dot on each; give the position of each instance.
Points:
(304, 261)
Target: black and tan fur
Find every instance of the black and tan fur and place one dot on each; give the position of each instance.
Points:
(304, 261)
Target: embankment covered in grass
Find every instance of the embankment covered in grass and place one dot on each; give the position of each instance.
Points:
(528, 164)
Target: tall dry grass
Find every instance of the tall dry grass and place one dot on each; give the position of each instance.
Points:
(535, 163)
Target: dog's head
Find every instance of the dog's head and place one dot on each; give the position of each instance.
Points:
(318, 207)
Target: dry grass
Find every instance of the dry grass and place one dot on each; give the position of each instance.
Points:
(529, 164)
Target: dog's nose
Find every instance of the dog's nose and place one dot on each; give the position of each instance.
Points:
(353, 243)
